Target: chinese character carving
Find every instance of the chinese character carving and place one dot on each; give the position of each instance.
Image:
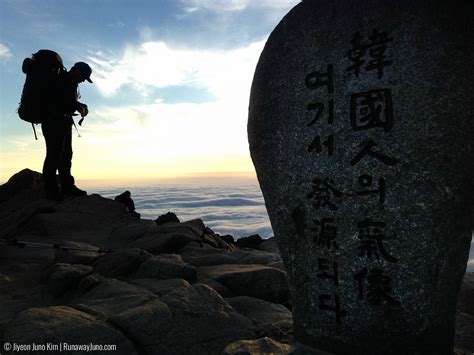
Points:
(372, 109)
(371, 235)
(325, 233)
(371, 51)
(317, 79)
(325, 265)
(326, 303)
(375, 287)
(367, 150)
(324, 193)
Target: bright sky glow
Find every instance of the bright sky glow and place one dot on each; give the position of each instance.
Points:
(171, 82)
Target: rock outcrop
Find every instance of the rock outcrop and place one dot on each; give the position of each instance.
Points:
(366, 182)
(175, 288)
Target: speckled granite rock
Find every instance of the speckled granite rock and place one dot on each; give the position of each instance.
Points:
(254, 347)
(360, 128)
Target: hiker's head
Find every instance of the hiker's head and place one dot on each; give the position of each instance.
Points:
(80, 72)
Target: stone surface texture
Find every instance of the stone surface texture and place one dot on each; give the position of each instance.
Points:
(142, 294)
(360, 127)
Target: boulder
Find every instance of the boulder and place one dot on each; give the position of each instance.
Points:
(252, 241)
(205, 255)
(160, 287)
(464, 339)
(259, 346)
(166, 266)
(203, 322)
(87, 219)
(24, 184)
(169, 217)
(261, 312)
(117, 298)
(252, 280)
(103, 308)
(125, 198)
(65, 277)
(367, 185)
(106, 297)
(60, 324)
(89, 282)
(215, 241)
(272, 320)
(124, 235)
(16, 216)
(95, 286)
(145, 325)
(75, 256)
(120, 264)
(170, 237)
(227, 238)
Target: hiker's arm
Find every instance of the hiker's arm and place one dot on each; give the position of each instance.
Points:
(82, 109)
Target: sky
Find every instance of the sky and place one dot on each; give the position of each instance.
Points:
(171, 84)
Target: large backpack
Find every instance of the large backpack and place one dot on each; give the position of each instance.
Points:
(43, 71)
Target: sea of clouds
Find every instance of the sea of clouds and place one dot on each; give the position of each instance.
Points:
(236, 208)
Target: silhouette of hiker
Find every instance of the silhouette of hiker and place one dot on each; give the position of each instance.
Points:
(57, 132)
(126, 199)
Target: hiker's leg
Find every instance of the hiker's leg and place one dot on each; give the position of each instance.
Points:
(67, 180)
(65, 160)
(53, 141)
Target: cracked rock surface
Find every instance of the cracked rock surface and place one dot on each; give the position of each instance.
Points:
(177, 288)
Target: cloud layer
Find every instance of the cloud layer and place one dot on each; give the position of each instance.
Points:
(234, 5)
(153, 65)
(4, 52)
(171, 86)
(184, 136)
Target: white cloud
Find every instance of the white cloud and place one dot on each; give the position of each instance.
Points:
(235, 5)
(21, 145)
(164, 139)
(4, 52)
(214, 5)
(160, 138)
(183, 135)
(178, 130)
(225, 74)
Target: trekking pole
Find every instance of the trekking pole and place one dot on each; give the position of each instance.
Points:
(78, 134)
(74, 123)
(34, 130)
(23, 244)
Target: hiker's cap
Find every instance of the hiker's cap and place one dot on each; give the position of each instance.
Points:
(85, 70)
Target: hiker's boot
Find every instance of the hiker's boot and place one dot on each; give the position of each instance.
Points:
(74, 191)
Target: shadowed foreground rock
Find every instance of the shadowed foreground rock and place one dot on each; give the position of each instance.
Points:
(144, 296)
(197, 299)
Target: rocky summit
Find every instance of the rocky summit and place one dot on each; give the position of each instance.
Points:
(85, 272)
(361, 125)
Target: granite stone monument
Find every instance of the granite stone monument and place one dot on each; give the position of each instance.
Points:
(361, 128)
